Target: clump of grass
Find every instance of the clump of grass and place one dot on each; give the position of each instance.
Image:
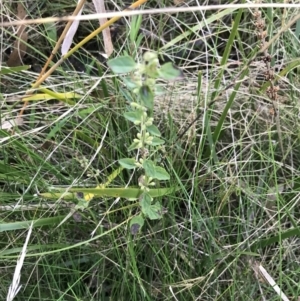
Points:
(232, 213)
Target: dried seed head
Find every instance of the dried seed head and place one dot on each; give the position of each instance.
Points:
(272, 92)
(260, 24)
(262, 44)
(270, 74)
(262, 35)
(267, 58)
(257, 14)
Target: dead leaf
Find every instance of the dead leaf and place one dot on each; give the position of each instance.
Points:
(178, 2)
(15, 58)
(21, 11)
(100, 9)
(8, 124)
(68, 40)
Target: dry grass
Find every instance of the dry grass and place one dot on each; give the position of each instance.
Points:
(236, 193)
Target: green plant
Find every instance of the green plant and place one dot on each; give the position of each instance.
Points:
(142, 81)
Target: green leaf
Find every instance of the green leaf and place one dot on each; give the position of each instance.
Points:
(122, 64)
(146, 96)
(134, 145)
(134, 115)
(135, 27)
(51, 32)
(278, 238)
(155, 172)
(153, 130)
(161, 173)
(21, 225)
(157, 141)
(7, 70)
(145, 201)
(169, 72)
(9, 173)
(154, 211)
(218, 130)
(297, 31)
(128, 193)
(131, 84)
(82, 204)
(128, 163)
(149, 167)
(226, 54)
(136, 224)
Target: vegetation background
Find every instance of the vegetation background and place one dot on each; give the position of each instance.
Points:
(231, 130)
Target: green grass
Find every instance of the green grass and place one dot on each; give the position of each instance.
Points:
(237, 206)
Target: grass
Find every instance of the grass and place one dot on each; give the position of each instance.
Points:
(237, 207)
